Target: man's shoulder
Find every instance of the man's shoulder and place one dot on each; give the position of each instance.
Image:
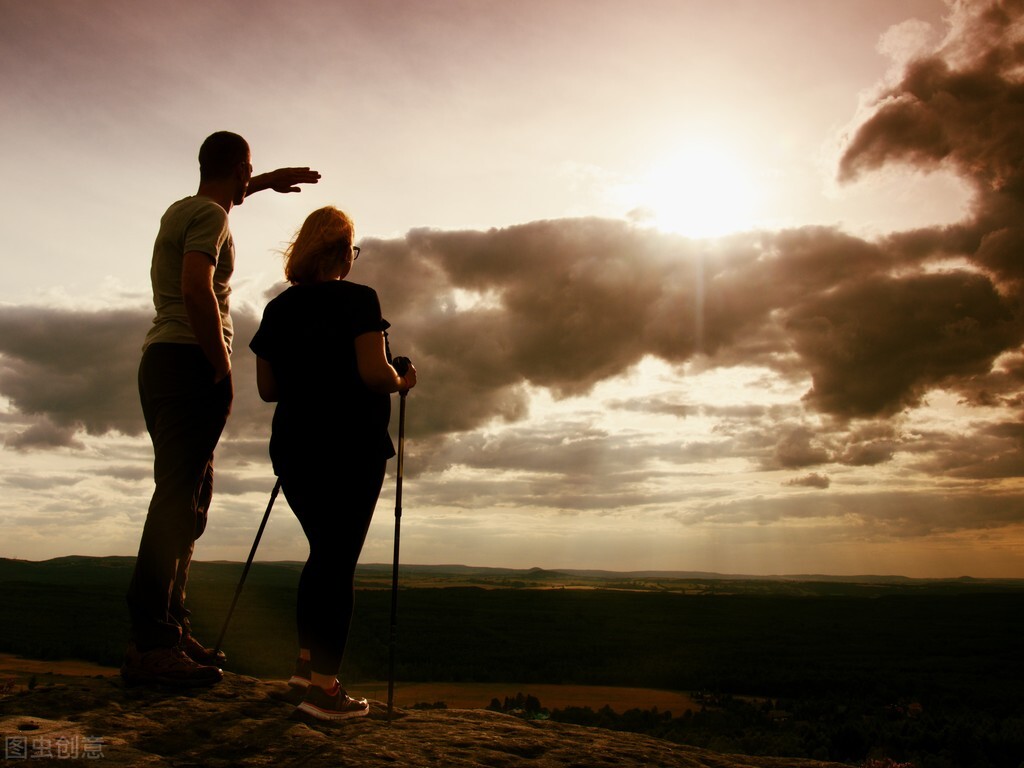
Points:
(195, 206)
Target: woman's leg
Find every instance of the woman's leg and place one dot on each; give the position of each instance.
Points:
(335, 510)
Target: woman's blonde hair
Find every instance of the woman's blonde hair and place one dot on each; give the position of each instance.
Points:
(322, 245)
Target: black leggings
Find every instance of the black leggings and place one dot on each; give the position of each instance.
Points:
(334, 508)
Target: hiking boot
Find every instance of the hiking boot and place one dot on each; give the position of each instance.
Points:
(335, 704)
(199, 653)
(166, 666)
(302, 676)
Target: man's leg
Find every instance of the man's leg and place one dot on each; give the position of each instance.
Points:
(185, 414)
(201, 502)
(177, 610)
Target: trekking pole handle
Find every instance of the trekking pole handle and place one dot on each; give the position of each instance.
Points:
(401, 364)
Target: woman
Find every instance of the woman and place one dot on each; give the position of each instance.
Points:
(322, 356)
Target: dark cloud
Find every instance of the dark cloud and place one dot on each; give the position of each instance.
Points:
(961, 107)
(986, 453)
(813, 480)
(797, 447)
(878, 345)
(567, 304)
(867, 446)
(72, 370)
(563, 305)
(1003, 386)
(43, 434)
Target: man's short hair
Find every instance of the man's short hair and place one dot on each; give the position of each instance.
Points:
(220, 154)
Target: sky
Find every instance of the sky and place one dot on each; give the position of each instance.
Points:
(730, 287)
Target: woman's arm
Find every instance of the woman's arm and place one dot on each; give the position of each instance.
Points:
(375, 370)
(265, 381)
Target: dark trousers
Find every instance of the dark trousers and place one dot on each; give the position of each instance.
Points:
(334, 508)
(185, 413)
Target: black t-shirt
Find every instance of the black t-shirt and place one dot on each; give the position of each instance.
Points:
(325, 413)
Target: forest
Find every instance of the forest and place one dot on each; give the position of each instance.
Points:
(918, 673)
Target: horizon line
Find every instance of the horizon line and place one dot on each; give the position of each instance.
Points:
(580, 572)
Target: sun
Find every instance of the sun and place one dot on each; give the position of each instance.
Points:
(699, 190)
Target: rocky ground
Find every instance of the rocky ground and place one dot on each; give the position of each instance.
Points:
(248, 722)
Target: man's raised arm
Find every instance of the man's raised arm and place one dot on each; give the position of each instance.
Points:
(283, 180)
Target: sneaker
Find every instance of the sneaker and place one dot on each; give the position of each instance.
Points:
(199, 653)
(335, 704)
(166, 666)
(302, 676)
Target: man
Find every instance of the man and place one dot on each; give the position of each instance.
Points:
(186, 392)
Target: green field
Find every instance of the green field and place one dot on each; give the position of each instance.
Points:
(830, 668)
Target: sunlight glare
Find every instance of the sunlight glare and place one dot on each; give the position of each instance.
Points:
(703, 190)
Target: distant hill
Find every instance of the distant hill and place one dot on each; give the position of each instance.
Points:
(85, 570)
(75, 569)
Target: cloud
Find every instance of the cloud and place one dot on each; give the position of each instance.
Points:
(813, 480)
(873, 444)
(798, 447)
(960, 107)
(574, 302)
(44, 434)
(38, 482)
(878, 345)
(870, 516)
(989, 452)
(565, 305)
(71, 370)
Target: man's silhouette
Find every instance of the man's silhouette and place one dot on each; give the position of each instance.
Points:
(185, 388)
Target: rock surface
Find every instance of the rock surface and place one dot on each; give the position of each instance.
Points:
(248, 722)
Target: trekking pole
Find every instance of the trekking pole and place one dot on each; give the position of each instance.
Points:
(401, 365)
(248, 563)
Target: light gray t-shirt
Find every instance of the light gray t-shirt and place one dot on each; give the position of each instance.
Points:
(194, 224)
